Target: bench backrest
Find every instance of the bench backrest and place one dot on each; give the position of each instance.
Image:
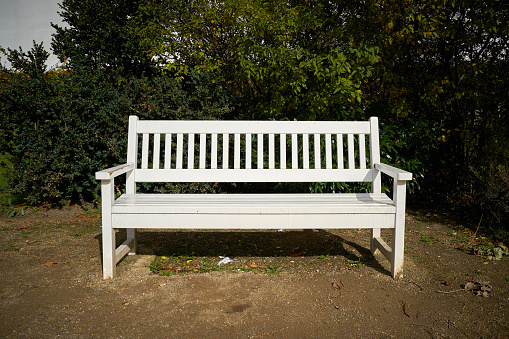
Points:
(253, 151)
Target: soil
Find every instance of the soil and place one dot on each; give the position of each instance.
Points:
(289, 284)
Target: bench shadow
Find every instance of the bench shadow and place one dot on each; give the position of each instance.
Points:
(250, 243)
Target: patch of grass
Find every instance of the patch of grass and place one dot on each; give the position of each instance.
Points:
(428, 238)
(83, 231)
(463, 240)
(273, 269)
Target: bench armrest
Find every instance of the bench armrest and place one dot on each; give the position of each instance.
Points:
(394, 172)
(112, 172)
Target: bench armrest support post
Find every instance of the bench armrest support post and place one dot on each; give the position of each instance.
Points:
(398, 235)
(108, 233)
(107, 178)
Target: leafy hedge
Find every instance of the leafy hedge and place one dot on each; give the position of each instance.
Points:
(60, 127)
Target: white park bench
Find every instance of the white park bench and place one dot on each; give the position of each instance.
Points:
(253, 151)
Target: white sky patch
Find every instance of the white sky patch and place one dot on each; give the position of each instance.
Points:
(22, 21)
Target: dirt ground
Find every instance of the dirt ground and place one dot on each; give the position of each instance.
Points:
(51, 284)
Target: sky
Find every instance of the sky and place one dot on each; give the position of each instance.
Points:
(22, 21)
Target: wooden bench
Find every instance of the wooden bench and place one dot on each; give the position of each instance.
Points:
(253, 151)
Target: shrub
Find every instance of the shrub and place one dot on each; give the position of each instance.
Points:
(60, 127)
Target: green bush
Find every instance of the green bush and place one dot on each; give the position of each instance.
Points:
(60, 127)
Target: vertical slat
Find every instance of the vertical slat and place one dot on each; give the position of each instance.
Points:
(362, 150)
(295, 152)
(341, 159)
(190, 151)
(132, 153)
(180, 149)
(248, 151)
(374, 153)
(236, 152)
(351, 154)
(226, 145)
(271, 151)
(213, 151)
(328, 151)
(260, 151)
(203, 150)
(167, 151)
(157, 150)
(318, 164)
(282, 146)
(144, 151)
(305, 151)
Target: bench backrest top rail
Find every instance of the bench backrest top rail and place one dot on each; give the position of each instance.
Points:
(252, 127)
(253, 151)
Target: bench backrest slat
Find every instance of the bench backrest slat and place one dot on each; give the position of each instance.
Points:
(253, 151)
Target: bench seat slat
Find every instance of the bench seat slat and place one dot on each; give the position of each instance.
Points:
(225, 204)
(253, 221)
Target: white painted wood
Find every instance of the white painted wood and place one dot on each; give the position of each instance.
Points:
(374, 153)
(254, 127)
(123, 249)
(318, 160)
(167, 150)
(156, 150)
(113, 172)
(226, 204)
(394, 172)
(190, 151)
(271, 151)
(341, 160)
(351, 152)
(144, 151)
(328, 151)
(132, 237)
(213, 152)
(254, 175)
(226, 149)
(362, 150)
(260, 151)
(253, 221)
(382, 246)
(259, 211)
(295, 152)
(236, 152)
(108, 233)
(375, 233)
(282, 150)
(180, 150)
(203, 149)
(398, 234)
(132, 153)
(305, 151)
(248, 151)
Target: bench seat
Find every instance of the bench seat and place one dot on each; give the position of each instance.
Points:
(254, 211)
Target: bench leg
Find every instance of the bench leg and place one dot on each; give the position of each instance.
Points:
(132, 233)
(109, 256)
(108, 233)
(397, 253)
(375, 233)
(398, 233)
